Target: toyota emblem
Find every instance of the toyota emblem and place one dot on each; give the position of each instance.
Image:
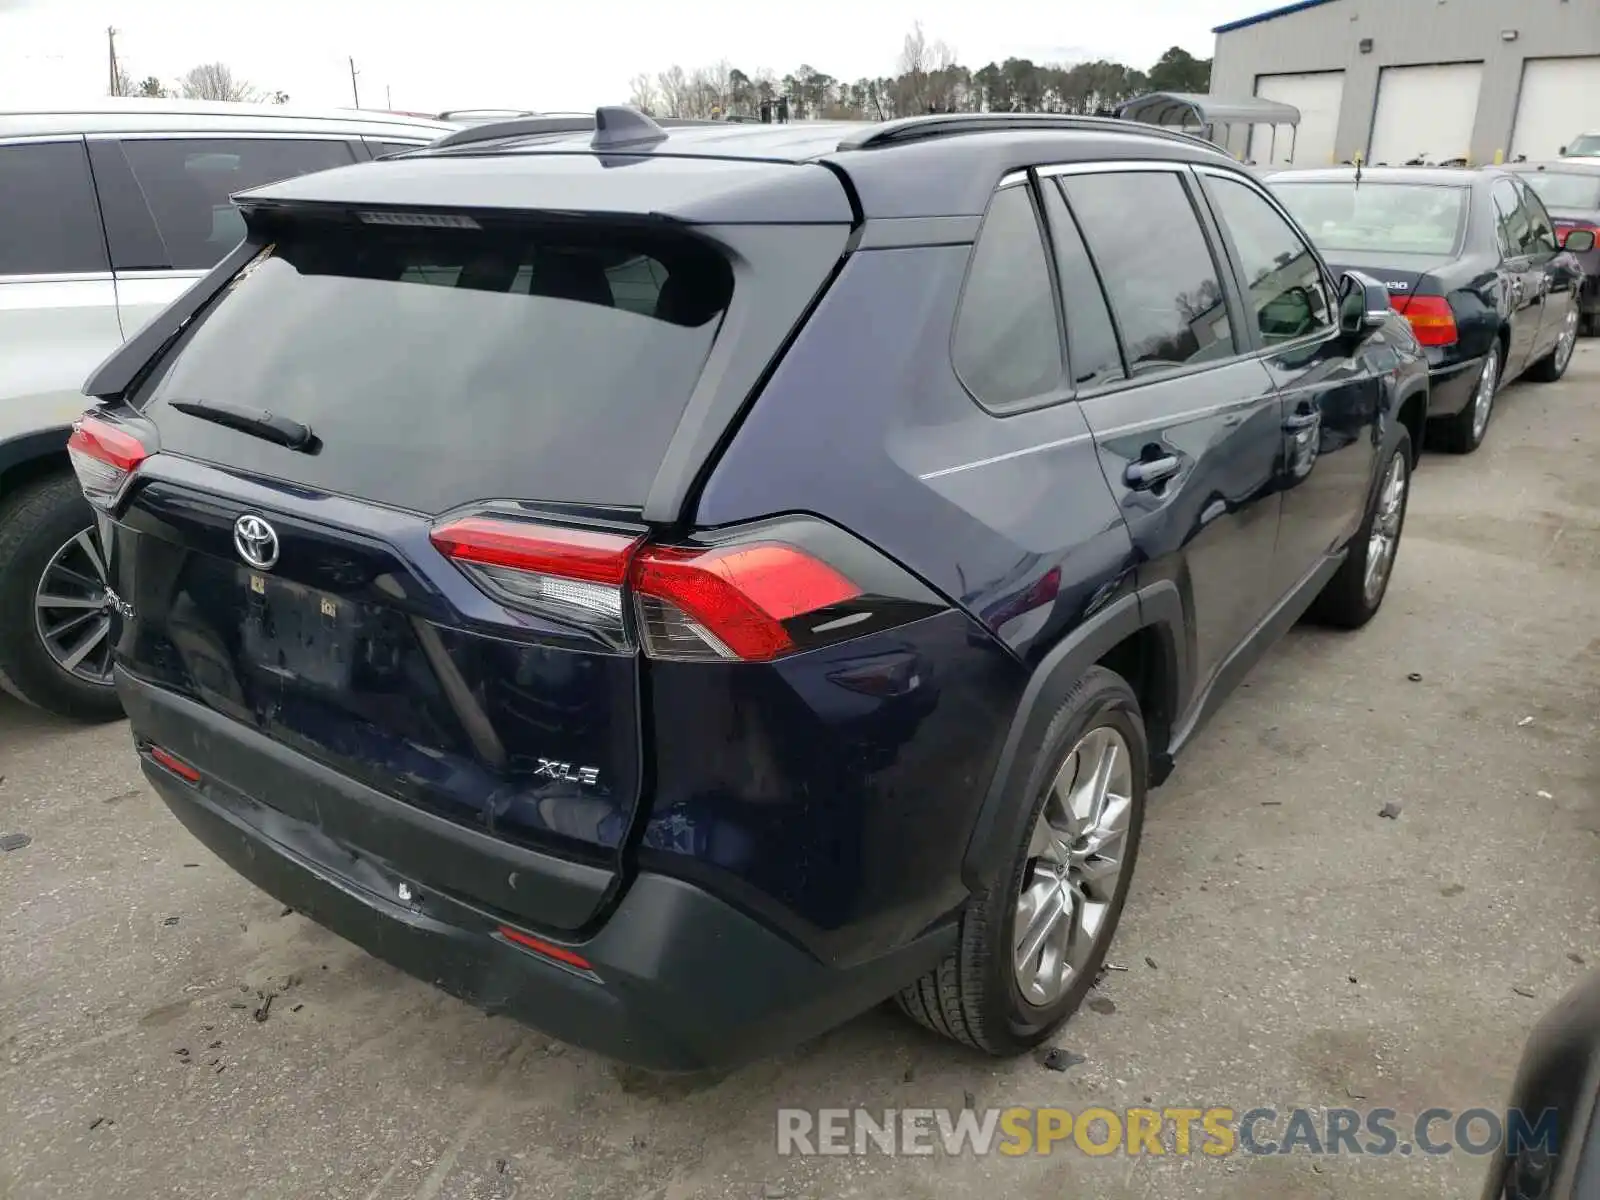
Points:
(256, 542)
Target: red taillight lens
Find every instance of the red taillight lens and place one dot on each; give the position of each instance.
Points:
(569, 574)
(103, 456)
(730, 601)
(1431, 318)
(753, 598)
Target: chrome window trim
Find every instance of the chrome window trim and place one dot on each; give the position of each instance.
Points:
(218, 135)
(60, 277)
(189, 273)
(38, 139)
(1105, 166)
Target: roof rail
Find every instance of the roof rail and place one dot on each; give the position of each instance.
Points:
(614, 125)
(935, 125)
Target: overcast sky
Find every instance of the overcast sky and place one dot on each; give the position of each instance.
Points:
(548, 54)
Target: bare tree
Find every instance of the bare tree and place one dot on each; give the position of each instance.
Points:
(673, 85)
(642, 93)
(123, 84)
(215, 81)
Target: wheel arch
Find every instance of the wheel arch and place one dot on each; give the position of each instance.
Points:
(32, 456)
(1141, 637)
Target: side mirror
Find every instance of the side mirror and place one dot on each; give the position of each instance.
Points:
(1363, 304)
(1579, 241)
(1551, 1140)
(1560, 152)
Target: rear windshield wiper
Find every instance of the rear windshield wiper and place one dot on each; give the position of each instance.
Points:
(257, 422)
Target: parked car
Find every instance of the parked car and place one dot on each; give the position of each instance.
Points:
(1570, 190)
(579, 568)
(1585, 145)
(1551, 1147)
(111, 211)
(1472, 261)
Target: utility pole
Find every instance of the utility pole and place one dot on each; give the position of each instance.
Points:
(353, 74)
(388, 97)
(111, 47)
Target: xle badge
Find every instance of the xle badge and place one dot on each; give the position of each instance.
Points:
(549, 768)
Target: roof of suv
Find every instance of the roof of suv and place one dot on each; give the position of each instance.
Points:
(932, 166)
(128, 115)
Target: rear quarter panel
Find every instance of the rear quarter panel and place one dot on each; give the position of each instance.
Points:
(865, 423)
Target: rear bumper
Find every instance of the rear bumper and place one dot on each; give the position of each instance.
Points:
(679, 981)
(1450, 388)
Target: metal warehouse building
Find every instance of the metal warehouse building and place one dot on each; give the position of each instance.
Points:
(1395, 80)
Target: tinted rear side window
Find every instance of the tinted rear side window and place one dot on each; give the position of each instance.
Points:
(49, 222)
(1092, 347)
(442, 366)
(187, 183)
(1007, 345)
(1157, 266)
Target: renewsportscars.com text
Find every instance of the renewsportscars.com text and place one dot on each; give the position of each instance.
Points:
(1214, 1132)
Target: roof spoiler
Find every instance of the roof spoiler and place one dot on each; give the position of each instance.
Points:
(616, 126)
(117, 373)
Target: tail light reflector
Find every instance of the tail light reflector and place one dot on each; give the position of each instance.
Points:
(544, 949)
(175, 764)
(103, 456)
(1431, 318)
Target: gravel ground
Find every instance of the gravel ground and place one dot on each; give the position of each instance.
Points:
(1306, 951)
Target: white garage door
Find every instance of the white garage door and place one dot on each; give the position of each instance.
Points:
(1425, 112)
(1317, 97)
(1560, 99)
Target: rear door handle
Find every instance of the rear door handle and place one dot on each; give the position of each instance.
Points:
(1147, 473)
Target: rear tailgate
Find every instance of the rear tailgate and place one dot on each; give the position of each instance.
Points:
(341, 596)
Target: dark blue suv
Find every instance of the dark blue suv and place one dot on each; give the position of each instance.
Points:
(683, 586)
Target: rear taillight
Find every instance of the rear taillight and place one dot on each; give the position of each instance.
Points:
(1431, 318)
(103, 456)
(748, 597)
(569, 574)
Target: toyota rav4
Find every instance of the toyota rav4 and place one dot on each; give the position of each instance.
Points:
(683, 587)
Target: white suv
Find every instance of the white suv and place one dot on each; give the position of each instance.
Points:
(111, 211)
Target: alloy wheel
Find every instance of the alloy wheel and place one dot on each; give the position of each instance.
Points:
(1076, 859)
(1483, 397)
(72, 609)
(1385, 536)
(1568, 340)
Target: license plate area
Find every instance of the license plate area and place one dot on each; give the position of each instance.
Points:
(298, 633)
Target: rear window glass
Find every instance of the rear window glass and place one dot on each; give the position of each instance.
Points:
(441, 366)
(1565, 191)
(1406, 218)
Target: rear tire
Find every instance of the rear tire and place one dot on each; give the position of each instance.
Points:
(976, 995)
(36, 522)
(1353, 596)
(1464, 432)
